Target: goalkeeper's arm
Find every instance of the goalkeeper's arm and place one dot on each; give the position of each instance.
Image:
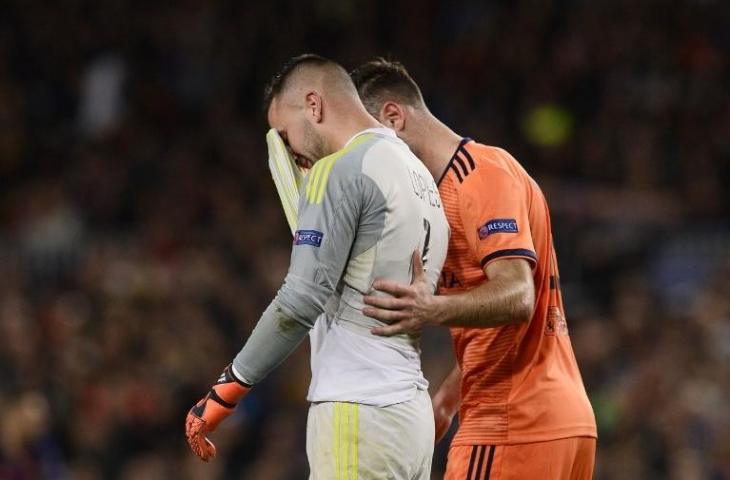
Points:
(321, 250)
(282, 327)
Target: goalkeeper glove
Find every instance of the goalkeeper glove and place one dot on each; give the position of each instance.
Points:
(204, 417)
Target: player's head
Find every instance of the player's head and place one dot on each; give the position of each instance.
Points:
(390, 95)
(306, 101)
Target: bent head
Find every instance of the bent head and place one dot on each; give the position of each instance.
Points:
(391, 96)
(302, 103)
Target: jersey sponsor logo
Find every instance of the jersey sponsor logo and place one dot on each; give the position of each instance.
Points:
(308, 237)
(498, 225)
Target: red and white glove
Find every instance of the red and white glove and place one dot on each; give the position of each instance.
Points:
(204, 417)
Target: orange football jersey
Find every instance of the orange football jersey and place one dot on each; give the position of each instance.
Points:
(520, 383)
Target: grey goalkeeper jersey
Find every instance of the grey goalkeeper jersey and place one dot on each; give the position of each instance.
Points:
(362, 213)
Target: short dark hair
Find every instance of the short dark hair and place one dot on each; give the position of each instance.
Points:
(278, 81)
(379, 78)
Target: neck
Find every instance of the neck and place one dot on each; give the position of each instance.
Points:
(438, 146)
(347, 127)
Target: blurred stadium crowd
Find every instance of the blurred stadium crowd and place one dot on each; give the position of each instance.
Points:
(141, 236)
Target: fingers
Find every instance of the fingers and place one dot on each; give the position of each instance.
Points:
(195, 433)
(209, 449)
(408, 326)
(393, 288)
(389, 303)
(386, 316)
(202, 447)
(389, 330)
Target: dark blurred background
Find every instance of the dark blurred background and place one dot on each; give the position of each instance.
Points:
(141, 235)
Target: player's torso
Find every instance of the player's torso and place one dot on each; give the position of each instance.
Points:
(413, 213)
(404, 214)
(505, 376)
(401, 212)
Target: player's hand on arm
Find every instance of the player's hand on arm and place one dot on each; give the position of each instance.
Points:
(408, 308)
(211, 410)
(446, 402)
(508, 297)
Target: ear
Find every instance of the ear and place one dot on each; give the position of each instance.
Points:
(313, 104)
(392, 115)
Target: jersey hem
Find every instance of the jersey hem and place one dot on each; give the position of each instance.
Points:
(373, 401)
(544, 436)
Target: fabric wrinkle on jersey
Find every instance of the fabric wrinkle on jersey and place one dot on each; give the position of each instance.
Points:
(520, 383)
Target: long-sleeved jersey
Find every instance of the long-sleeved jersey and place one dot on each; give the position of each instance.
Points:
(363, 211)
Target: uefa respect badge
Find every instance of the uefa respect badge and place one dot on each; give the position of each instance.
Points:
(498, 225)
(308, 237)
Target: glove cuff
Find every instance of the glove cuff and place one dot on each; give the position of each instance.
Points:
(221, 399)
(228, 390)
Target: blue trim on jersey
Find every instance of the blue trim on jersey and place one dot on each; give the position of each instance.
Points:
(510, 252)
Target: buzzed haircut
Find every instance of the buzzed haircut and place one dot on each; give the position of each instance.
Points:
(279, 81)
(380, 79)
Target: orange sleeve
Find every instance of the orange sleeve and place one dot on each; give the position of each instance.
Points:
(495, 215)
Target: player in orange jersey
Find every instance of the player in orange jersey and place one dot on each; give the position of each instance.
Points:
(523, 410)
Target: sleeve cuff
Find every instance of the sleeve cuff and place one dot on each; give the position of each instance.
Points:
(237, 375)
(510, 252)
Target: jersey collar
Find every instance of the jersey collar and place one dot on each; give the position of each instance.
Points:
(377, 130)
(461, 146)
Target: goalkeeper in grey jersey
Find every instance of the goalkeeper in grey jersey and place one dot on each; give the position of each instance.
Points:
(365, 207)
